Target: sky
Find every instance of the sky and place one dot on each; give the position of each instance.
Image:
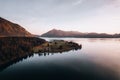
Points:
(40, 16)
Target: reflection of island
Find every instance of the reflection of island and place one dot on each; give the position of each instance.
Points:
(14, 49)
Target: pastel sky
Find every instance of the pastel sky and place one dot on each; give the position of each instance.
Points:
(39, 16)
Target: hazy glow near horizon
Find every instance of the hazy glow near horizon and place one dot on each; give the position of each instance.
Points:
(39, 16)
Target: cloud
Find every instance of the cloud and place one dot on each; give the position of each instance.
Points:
(78, 2)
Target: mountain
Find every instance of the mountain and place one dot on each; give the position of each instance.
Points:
(60, 33)
(8, 28)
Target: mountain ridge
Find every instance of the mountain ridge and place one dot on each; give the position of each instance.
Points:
(61, 33)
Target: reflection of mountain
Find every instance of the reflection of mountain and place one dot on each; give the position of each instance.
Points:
(60, 33)
(8, 28)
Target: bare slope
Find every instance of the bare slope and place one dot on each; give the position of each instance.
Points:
(8, 29)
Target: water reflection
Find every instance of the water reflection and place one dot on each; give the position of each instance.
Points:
(61, 52)
(6, 61)
(14, 61)
(72, 69)
(97, 60)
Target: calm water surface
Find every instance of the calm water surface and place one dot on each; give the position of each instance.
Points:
(99, 59)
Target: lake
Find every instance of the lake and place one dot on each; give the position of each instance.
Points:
(97, 60)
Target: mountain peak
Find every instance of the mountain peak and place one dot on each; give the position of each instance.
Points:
(60, 33)
(54, 29)
(8, 28)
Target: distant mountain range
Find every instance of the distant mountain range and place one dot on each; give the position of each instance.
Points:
(8, 29)
(61, 33)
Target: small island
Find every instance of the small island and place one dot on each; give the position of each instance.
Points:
(56, 46)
